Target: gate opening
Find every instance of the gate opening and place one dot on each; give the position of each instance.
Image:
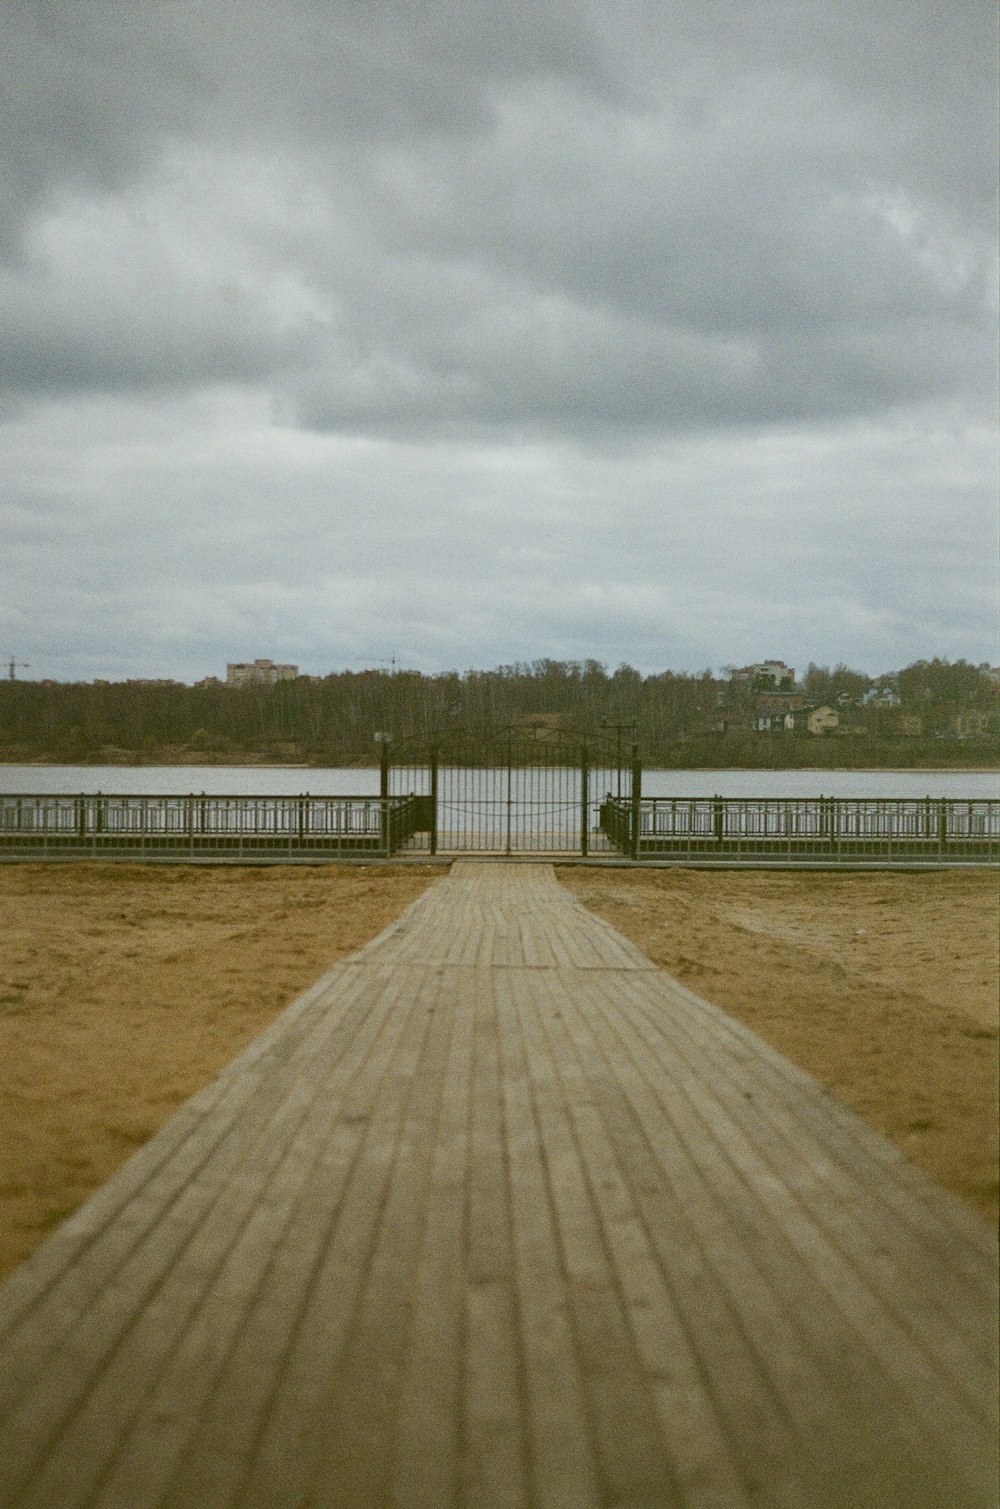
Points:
(512, 793)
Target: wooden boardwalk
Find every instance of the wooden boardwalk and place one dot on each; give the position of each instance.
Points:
(498, 1214)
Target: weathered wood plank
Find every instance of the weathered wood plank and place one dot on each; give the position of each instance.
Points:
(498, 1214)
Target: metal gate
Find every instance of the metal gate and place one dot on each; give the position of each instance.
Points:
(510, 792)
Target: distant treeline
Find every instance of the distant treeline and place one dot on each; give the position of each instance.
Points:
(677, 720)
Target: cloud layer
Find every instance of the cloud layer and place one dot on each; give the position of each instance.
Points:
(475, 333)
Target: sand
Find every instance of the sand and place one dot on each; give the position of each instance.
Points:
(124, 988)
(883, 986)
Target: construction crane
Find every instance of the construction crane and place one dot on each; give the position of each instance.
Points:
(13, 666)
(371, 663)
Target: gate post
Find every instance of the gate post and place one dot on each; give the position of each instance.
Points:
(434, 800)
(383, 791)
(633, 844)
(584, 800)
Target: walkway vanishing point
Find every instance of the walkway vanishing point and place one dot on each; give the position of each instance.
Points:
(499, 1214)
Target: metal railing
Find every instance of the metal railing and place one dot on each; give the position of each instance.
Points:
(184, 827)
(695, 830)
(806, 829)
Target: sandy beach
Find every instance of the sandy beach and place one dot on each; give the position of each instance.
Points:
(124, 988)
(885, 987)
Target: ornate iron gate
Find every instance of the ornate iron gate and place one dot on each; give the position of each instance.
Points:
(510, 792)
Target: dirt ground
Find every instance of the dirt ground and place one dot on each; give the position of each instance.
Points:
(884, 987)
(124, 988)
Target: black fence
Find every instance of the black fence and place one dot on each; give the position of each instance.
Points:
(805, 830)
(689, 830)
(510, 793)
(206, 827)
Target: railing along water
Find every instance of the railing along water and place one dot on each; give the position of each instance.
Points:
(705, 830)
(210, 827)
(692, 830)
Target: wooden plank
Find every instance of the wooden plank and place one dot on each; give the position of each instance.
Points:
(691, 1426)
(818, 1364)
(233, 1347)
(109, 1302)
(427, 1450)
(285, 1448)
(498, 1214)
(633, 1465)
(495, 1447)
(209, 1112)
(561, 1461)
(764, 1088)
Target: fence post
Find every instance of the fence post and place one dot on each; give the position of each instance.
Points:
(718, 818)
(434, 800)
(584, 800)
(633, 845)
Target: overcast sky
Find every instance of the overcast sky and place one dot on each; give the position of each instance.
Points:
(474, 331)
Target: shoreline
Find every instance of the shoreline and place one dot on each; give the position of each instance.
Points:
(39, 764)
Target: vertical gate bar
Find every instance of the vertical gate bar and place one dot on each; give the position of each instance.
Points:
(434, 799)
(472, 797)
(558, 802)
(524, 780)
(584, 799)
(470, 794)
(636, 803)
(509, 759)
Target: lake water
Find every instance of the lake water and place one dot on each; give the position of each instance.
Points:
(262, 780)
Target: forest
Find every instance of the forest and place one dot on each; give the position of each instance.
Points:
(930, 713)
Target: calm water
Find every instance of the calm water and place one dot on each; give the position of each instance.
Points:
(260, 780)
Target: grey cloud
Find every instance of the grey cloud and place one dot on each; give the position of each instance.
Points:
(491, 330)
(502, 237)
(166, 551)
(91, 91)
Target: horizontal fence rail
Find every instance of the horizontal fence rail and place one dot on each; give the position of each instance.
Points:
(184, 827)
(693, 830)
(828, 829)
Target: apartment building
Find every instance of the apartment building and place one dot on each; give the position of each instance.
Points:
(259, 673)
